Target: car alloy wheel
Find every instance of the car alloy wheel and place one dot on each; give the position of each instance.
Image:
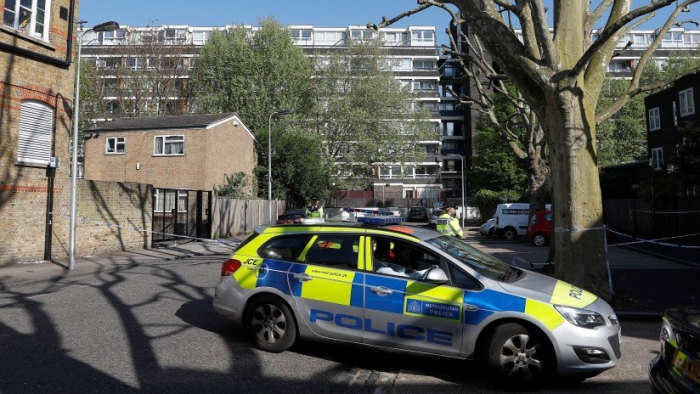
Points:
(271, 324)
(539, 240)
(516, 354)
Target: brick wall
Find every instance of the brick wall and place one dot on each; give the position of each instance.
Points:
(25, 191)
(110, 217)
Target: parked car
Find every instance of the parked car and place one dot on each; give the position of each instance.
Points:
(488, 228)
(419, 214)
(540, 229)
(434, 215)
(677, 367)
(293, 216)
(511, 220)
(328, 283)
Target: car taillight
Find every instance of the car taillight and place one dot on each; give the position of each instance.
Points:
(229, 267)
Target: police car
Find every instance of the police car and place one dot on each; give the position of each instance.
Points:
(413, 289)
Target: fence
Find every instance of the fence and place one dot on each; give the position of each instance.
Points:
(675, 217)
(231, 217)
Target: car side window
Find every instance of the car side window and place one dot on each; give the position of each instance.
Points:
(334, 250)
(288, 247)
(400, 258)
(463, 280)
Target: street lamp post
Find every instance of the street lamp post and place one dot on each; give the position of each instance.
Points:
(107, 26)
(464, 208)
(269, 159)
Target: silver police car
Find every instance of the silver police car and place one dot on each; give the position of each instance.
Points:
(412, 289)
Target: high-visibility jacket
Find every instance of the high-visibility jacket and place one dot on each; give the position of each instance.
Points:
(314, 212)
(449, 225)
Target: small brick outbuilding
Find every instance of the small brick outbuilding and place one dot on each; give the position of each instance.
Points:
(192, 152)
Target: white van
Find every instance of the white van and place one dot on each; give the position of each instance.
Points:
(511, 220)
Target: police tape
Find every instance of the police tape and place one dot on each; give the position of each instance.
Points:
(572, 230)
(655, 241)
(662, 212)
(160, 233)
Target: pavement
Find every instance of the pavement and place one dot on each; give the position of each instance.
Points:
(644, 284)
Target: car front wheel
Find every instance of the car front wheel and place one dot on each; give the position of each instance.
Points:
(272, 324)
(517, 355)
(539, 240)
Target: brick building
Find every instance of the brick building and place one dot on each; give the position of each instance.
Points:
(35, 122)
(187, 152)
(37, 57)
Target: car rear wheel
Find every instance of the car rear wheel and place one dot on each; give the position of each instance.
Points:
(509, 233)
(517, 354)
(271, 323)
(539, 240)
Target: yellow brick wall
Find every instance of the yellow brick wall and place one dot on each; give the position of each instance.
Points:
(24, 190)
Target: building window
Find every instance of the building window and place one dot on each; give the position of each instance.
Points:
(422, 36)
(423, 64)
(654, 119)
(302, 37)
(28, 16)
(329, 38)
(165, 200)
(35, 136)
(687, 102)
(423, 85)
(395, 38)
(165, 145)
(401, 65)
(115, 146)
(361, 35)
(390, 172)
(200, 37)
(657, 158)
(112, 37)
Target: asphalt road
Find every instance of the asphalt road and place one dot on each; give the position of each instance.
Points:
(152, 329)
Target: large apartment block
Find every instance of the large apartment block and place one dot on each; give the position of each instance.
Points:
(414, 62)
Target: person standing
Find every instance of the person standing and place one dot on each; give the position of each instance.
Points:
(314, 210)
(448, 224)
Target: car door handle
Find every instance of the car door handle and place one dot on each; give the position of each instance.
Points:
(302, 277)
(380, 290)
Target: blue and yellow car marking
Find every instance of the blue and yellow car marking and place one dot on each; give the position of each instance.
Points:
(334, 286)
(567, 294)
(435, 301)
(392, 303)
(484, 303)
(257, 272)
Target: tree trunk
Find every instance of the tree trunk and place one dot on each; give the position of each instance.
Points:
(578, 210)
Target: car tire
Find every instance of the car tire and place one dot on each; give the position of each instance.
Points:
(517, 355)
(492, 232)
(271, 324)
(539, 239)
(509, 233)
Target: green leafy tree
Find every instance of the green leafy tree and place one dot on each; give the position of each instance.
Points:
(560, 70)
(253, 75)
(497, 175)
(299, 169)
(236, 186)
(622, 137)
(363, 115)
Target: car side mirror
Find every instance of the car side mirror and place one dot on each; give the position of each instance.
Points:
(436, 275)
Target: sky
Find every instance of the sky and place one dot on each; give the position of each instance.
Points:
(319, 13)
